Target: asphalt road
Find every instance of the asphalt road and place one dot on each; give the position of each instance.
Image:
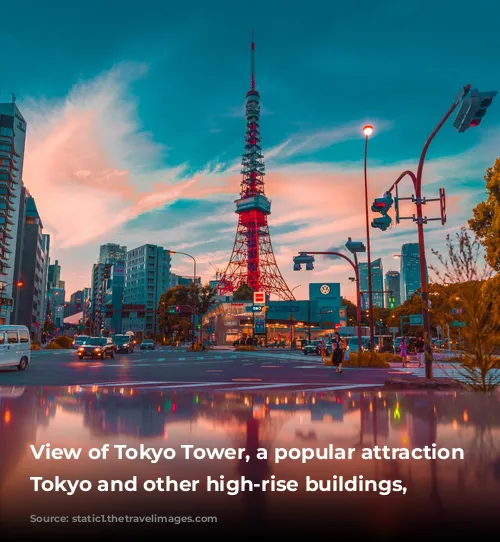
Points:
(184, 370)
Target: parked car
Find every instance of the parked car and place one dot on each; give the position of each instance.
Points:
(148, 344)
(80, 340)
(123, 344)
(97, 347)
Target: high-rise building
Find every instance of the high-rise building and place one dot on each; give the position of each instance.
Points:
(393, 287)
(45, 274)
(54, 277)
(147, 277)
(113, 298)
(30, 301)
(410, 270)
(75, 304)
(12, 142)
(112, 253)
(18, 279)
(100, 273)
(377, 283)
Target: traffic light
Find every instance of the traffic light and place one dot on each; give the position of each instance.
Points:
(382, 222)
(382, 205)
(473, 108)
(355, 246)
(303, 259)
(392, 302)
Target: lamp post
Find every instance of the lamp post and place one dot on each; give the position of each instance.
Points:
(292, 323)
(306, 257)
(194, 290)
(368, 131)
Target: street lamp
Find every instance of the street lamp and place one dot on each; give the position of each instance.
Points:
(194, 290)
(292, 323)
(472, 106)
(368, 131)
(307, 259)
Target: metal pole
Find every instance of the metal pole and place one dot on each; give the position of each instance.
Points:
(291, 326)
(449, 342)
(358, 300)
(368, 252)
(420, 224)
(309, 321)
(194, 302)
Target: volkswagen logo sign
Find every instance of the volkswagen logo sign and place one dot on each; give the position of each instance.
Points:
(325, 289)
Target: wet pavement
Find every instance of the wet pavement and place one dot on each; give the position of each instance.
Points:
(443, 496)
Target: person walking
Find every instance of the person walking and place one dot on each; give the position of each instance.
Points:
(337, 352)
(404, 351)
(420, 349)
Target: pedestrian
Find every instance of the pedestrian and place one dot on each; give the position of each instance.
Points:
(420, 349)
(404, 351)
(337, 352)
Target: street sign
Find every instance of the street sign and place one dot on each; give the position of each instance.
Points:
(394, 329)
(460, 310)
(257, 308)
(416, 320)
(259, 298)
(248, 308)
(456, 323)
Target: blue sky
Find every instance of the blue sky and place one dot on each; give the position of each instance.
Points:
(138, 108)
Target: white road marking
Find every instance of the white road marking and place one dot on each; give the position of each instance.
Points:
(195, 385)
(346, 387)
(267, 386)
(109, 384)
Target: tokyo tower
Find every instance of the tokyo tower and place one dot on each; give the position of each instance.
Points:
(252, 260)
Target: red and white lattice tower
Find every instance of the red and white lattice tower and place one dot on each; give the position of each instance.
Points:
(252, 261)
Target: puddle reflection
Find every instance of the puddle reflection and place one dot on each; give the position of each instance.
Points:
(91, 417)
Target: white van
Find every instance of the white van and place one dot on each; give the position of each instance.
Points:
(15, 347)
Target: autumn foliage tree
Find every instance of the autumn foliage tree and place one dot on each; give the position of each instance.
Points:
(477, 293)
(486, 218)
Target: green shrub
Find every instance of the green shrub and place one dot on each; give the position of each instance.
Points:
(63, 341)
(53, 346)
(246, 349)
(370, 359)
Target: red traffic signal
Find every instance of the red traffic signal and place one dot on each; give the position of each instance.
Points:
(473, 108)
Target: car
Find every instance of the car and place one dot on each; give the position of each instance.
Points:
(147, 344)
(97, 347)
(123, 344)
(312, 348)
(15, 347)
(79, 340)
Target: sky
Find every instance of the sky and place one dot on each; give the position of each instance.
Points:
(136, 121)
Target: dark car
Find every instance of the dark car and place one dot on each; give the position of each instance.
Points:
(147, 344)
(97, 347)
(123, 344)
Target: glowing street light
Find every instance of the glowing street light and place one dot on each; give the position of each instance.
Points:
(368, 130)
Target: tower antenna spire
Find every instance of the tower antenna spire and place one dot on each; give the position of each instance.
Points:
(253, 64)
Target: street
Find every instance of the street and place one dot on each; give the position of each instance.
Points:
(216, 370)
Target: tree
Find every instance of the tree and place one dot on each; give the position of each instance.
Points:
(180, 325)
(477, 293)
(350, 310)
(243, 293)
(486, 220)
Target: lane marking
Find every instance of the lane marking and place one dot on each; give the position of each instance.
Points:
(267, 386)
(345, 387)
(196, 385)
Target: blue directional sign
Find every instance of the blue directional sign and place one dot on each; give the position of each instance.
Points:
(416, 320)
(457, 311)
(457, 323)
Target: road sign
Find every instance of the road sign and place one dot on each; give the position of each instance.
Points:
(456, 323)
(259, 298)
(459, 310)
(394, 329)
(257, 308)
(416, 320)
